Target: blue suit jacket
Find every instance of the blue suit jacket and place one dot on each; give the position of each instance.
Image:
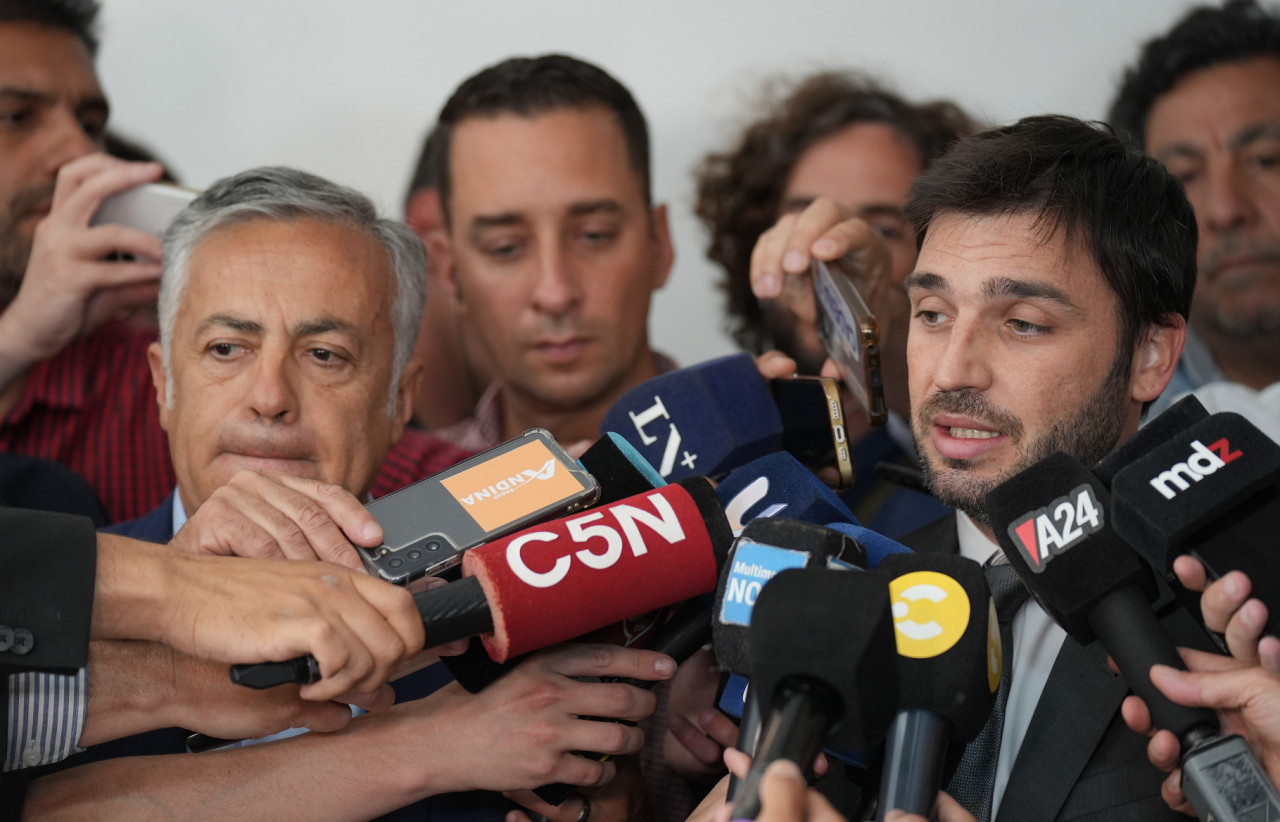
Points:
(156, 526)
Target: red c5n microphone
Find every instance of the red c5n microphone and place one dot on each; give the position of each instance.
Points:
(561, 579)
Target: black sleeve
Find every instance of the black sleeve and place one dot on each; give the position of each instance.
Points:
(48, 565)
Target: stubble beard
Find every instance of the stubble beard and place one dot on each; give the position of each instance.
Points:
(1088, 433)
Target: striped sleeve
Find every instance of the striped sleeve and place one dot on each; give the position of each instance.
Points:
(46, 717)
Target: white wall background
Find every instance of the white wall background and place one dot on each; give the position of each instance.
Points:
(346, 89)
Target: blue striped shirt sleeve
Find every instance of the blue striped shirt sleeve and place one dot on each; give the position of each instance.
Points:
(46, 717)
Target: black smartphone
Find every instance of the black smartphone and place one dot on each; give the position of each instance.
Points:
(429, 525)
(813, 428)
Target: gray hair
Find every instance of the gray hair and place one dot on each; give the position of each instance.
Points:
(285, 194)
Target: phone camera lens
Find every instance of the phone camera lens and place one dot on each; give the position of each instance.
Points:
(434, 545)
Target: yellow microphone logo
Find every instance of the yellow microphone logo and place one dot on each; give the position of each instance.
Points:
(930, 613)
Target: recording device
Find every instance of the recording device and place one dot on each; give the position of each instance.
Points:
(949, 655)
(851, 336)
(150, 207)
(817, 636)
(561, 579)
(1211, 491)
(1052, 520)
(813, 428)
(429, 525)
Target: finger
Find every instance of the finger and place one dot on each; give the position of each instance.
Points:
(695, 742)
(113, 178)
(609, 660)
(300, 524)
(397, 607)
(1136, 715)
(1164, 751)
(766, 259)
(1245, 629)
(1190, 573)
(775, 364)
(572, 769)
(73, 174)
(719, 727)
(343, 508)
(323, 717)
(567, 811)
(949, 810)
(100, 241)
(1205, 661)
(1223, 598)
(376, 701)
(782, 792)
(609, 700)
(823, 231)
(1269, 654)
(737, 762)
(1171, 793)
(379, 642)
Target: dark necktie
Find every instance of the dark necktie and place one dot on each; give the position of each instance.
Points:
(975, 776)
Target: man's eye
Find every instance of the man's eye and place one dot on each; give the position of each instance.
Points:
(928, 317)
(1026, 328)
(222, 349)
(888, 232)
(323, 355)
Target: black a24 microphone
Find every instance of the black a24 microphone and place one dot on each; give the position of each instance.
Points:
(1053, 523)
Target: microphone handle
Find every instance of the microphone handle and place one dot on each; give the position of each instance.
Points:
(1131, 633)
(748, 734)
(914, 750)
(1223, 781)
(454, 611)
(803, 711)
(682, 635)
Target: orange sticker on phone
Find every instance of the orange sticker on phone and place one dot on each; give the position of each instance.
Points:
(512, 485)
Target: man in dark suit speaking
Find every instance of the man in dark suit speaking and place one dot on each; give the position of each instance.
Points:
(1048, 307)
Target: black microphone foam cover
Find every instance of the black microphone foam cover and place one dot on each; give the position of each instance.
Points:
(1177, 418)
(946, 651)
(766, 547)
(1199, 478)
(703, 494)
(619, 469)
(834, 628)
(1052, 523)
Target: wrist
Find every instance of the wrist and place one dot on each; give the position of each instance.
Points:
(135, 589)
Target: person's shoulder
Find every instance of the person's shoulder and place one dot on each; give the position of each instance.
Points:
(417, 456)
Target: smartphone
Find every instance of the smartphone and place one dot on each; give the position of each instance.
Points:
(149, 207)
(813, 428)
(849, 333)
(429, 525)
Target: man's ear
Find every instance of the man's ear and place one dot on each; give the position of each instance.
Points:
(410, 381)
(423, 213)
(1156, 356)
(155, 359)
(664, 253)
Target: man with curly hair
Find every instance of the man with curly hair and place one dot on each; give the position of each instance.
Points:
(843, 136)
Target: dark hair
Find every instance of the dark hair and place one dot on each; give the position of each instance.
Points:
(740, 191)
(1078, 178)
(424, 173)
(1204, 37)
(79, 17)
(529, 86)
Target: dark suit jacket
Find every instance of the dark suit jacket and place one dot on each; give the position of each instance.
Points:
(1078, 760)
(155, 526)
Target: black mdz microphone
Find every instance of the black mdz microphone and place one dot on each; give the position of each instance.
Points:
(1052, 521)
(1212, 492)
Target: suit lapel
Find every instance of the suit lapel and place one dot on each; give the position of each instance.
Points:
(1079, 702)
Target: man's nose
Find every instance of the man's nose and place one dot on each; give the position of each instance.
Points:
(272, 396)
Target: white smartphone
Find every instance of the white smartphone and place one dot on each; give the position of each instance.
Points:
(149, 207)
